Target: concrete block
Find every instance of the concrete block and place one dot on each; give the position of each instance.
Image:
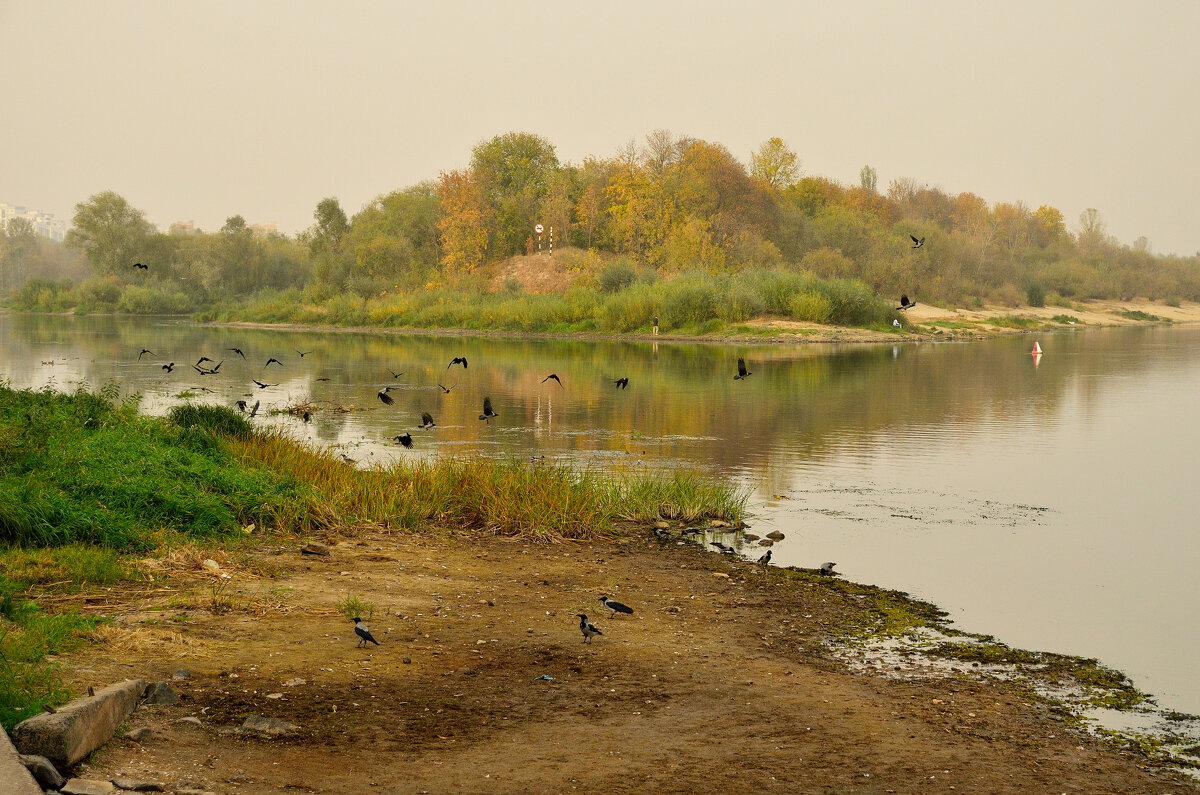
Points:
(14, 778)
(80, 727)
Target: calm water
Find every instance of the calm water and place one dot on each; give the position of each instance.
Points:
(1053, 506)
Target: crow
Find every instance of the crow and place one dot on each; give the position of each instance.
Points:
(458, 360)
(303, 353)
(364, 634)
(384, 396)
(906, 304)
(446, 389)
(201, 361)
(241, 404)
(487, 410)
(621, 383)
(307, 416)
(765, 558)
(404, 439)
(169, 367)
(588, 629)
(553, 377)
(261, 385)
(143, 352)
(254, 409)
(426, 421)
(141, 266)
(218, 367)
(324, 379)
(395, 374)
(827, 569)
(272, 359)
(742, 371)
(615, 606)
(917, 242)
(238, 351)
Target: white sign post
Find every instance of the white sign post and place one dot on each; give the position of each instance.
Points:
(538, 228)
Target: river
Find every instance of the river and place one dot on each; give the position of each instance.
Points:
(1048, 502)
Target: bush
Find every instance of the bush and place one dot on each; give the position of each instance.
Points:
(616, 277)
(810, 307)
(1035, 294)
(156, 300)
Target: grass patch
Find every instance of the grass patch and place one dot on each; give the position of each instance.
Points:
(1014, 321)
(1137, 314)
(353, 607)
(1066, 320)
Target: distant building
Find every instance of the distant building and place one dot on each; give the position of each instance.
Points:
(182, 228)
(264, 230)
(44, 224)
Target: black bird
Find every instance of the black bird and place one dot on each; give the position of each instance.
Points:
(765, 558)
(615, 607)
(141, 266)
(238, 351)
(905, 303)
(143, 352)
(324, 379)
(201, 370)
(588, 629)
(254, 409)
(201, 361)
(446, 389)
(272, 359)
(218, 367)
(917, 242)
(303, 353)
(307, 416)
(553, 377)
(261, 385)
(621, 383)
(395, 374)
(385, 397)
(426, 421)
(364, 634)
(405, 439)
(487, 410)
(742, 371)
(827, 569)
(458, 360)
(722, 548)
(169, 367)
(241, 404)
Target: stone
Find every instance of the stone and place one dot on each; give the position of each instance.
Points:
(182, 674)
(140, 733)
(161, 693)
(661, 525)
(718, 523)
(87, 786)
(407, 661)
(134, 785)
(766, 542)
(190, 720)
(272, 726)
(46, 774)
(79, 727)
(720, 575)
(313, 548)
(15, 779)
(210, 565)
(750, 536)
(775, 535)
(190, 791)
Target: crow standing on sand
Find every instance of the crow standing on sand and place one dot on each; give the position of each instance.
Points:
(487, 410)
(588, 629)
(458, 360)
(765, 559)
(364, 634)
(615, 606)
(742, 371)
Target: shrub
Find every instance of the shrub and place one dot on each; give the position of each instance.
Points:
(616, 277)
(810, 307)
(1035, 294)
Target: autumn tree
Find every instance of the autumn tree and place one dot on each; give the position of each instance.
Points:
(465, 213)
(775, 164)
(868, 179)
(514, 172)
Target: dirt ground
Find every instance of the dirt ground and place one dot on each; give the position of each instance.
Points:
(719, 682)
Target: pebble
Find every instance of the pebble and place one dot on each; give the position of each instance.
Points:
(775, 535)
(182, 674)
(191, 720)
(86, 786)
(137, 786)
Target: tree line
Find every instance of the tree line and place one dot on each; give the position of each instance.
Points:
(669, 206)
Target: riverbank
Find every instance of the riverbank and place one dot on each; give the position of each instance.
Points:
(924, 322)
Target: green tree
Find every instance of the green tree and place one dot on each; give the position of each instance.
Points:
(111, 233)
(18, 243)
(330, 265)
(514, 171)
(868, 179)
(775, 164)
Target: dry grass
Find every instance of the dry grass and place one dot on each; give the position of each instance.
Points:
(119, 639)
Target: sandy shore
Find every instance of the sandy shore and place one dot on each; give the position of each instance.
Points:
(723, 680)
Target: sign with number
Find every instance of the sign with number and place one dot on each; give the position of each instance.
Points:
(538, 229)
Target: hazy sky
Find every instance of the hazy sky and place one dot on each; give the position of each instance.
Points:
(200, 110)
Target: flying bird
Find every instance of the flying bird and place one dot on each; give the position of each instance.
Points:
(143, 352)
(201, 361)
(324, 379)
(426, 421)
(458, 360)
(621, 383)
(487, 410)
(241, 404)
(742, 371)
(307, 416)
(238, 351)
(917, 242)
(385, 397)
(395, 374)
(906, 304)
(446, 389)
(588, 629)
(553, 377)
(615, 606)
(261, 385)
(360, 629)
(141, 266)
(254, 409)
(827, 569)
(169, 367)
(303, 353)
(404, 439)
(272, 359)
(218, 367)
(765, 558)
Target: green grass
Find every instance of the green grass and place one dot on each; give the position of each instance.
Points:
(1015, 321)
(1137, 314)
(354, 607)
(1067, 320)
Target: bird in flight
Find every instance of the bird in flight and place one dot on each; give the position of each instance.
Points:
(261, 385)
(487, 410)
(588, 629)
(360, 629)
(446, 389)
(385, 397)
(254, 408)
(211, 371)
(404, 439)
(906, 304)
(324, 379)
(143, 352)
(917, 241)
(765, 558)
(426, 421)
(307, 416)
(742, 371)
(621, 383)
(553, 377)
(395, 374)
(615, 606)
(238, 351)
(303, 353)
(458, 360)
(201, 361)
(140, 266)
(241, 404)
(272, 359)
(169, 367)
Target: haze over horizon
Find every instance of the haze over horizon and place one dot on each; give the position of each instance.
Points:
(196, 112)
